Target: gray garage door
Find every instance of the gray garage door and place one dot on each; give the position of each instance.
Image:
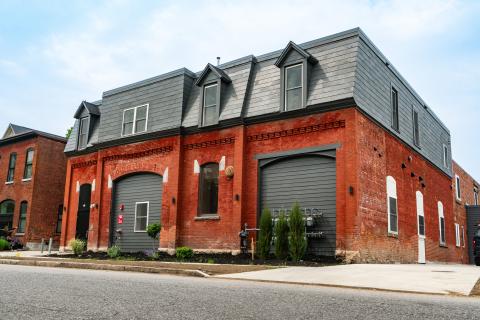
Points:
(311, 181)
(137, 202)
(473, 220)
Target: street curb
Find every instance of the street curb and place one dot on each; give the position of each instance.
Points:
(476, 289)
(107, 267)
(328, 285)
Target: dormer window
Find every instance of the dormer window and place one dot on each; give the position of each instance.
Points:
(83, 133)
(295, 64)
(212, 82)
(210, 104)
(135, 120)
(293, 87)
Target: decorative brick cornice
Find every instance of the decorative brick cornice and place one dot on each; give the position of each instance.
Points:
(210, 143)
(297, 131)
(84, 164)
(141, 154)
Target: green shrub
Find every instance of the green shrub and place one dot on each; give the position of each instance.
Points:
(77, 246)
(297, 241)
(265, 235)
(113, 252)
(184, 253)
(4, 244)
(153, 231)
(281, 237)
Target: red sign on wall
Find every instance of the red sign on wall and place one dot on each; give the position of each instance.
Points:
(120, 219)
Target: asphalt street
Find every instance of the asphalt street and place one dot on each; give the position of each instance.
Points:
(54, 293)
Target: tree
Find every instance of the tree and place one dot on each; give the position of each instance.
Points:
(69, 132)
(296, 235)
(281, 237)
(153, 231)
(265, 234)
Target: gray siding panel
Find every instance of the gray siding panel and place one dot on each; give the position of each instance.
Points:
(128, 191)
(72, 140)
(372, 93)
(310, 180)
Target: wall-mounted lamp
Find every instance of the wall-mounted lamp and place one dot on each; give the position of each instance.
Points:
(237, 197)
(174, 200)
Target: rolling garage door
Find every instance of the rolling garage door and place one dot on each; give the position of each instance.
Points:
(311, 181)
(137, 202)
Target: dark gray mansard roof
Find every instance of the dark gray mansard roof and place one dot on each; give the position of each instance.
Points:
(347, 68)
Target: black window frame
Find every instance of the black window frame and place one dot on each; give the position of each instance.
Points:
(416, 127)
(22, 217)
(28, 165)
(208, 190)
(443, 239)
(395, 109)
(11, 167)
(81, 126)
(421, 225)
(5, 203)
(58, 227)
(393, 215)
(218, 85)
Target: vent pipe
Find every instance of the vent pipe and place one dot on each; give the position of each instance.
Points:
(218, 61)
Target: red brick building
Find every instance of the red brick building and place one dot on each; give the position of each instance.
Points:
(32, 171)
(465, 194)
(329, 124)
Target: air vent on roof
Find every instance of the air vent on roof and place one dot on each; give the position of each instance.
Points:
(218, 61)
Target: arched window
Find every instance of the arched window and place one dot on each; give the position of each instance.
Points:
(392, 205)
(420, 214)
(208, 189)
(441, 223)
(7, 208)
(22, 220)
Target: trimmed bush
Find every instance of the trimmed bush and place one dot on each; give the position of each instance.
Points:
(184, 253)
(153, 231)
(296, 236)
(281, 237)
(113, 252)
(77, 246)
(4, 244)
(265, 234)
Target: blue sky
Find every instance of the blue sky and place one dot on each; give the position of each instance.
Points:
(54, 54)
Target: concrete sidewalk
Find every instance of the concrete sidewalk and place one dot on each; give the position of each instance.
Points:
(26, 253)
(429, 278)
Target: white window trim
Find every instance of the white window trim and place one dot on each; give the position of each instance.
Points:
(391, 193)
(458, 188)
(87, 120)
(134, 126)
(148, 214)
(285, 85)
(445, 156)
(420, 212)
(204, 106)
(441, 215)
(26, 180)
(457, 235)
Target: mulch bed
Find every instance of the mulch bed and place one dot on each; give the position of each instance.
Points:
(217, 258)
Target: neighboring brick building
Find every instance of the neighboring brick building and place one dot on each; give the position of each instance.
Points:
(32, 182)
(329, 123)
(465, 194)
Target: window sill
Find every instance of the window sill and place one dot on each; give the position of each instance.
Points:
(207, 217)
(9, 182)
(26, 180)
(20, 234)
(459, 201)
(393, 235)
(442, 245)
